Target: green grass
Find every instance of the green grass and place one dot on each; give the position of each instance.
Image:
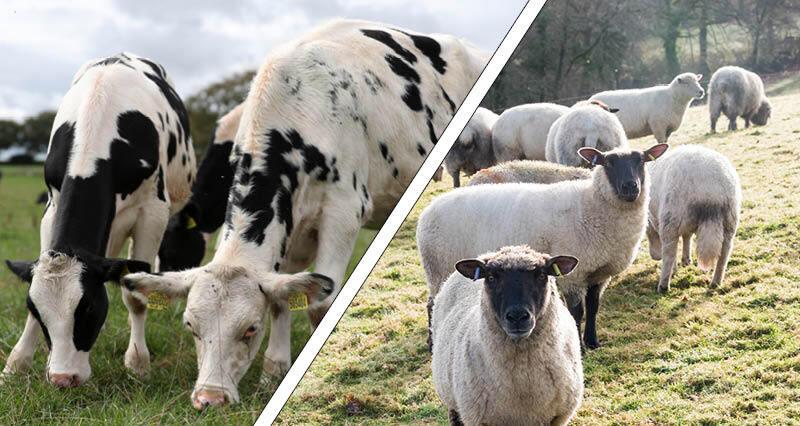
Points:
(726, 356)
(112, 395)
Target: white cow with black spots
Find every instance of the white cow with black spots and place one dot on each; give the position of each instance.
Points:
(334, 128)
(112, 172)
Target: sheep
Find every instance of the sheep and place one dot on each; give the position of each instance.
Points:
(736, 92)
(695, 190)
(529, 171)
(507, 351)
(600, 220)
(473, 148)
(585, 125)
(520, 133)
(656, 111)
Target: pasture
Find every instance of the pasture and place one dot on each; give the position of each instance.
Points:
(112, 395)
(694, 356)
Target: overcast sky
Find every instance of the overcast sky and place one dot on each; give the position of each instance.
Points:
(43, 42)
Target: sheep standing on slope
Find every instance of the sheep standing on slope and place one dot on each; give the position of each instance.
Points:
(656, 111)
(529, 172)
(736, 92)
(521, 132)
(473, 148)
(585, 125)
(600, 220)
(507, 351)
(695, 191)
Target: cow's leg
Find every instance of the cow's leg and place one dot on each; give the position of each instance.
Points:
(147, 234)
(21, 357)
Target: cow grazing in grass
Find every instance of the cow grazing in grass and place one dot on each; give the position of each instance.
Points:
(184, 242)
(120, 160)
(333, 130)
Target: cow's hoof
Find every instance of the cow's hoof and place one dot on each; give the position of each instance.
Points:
(138, 361)
(275, 368)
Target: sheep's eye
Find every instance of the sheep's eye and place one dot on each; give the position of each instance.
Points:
(490, 278)
(249, 333)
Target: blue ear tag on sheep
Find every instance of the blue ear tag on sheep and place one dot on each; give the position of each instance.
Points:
(594, 161)
(477, 274)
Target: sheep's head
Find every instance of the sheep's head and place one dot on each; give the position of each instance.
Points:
(624, 169)
(689, 84)
(518, 282)
(763, 113)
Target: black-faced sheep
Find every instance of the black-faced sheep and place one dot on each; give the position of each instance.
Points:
(507, 351)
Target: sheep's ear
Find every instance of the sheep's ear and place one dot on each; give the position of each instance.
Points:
(613, 110)
(592, 156)
(558, 266)
(473, 269)
(22, 269)
(699, 77)
(655, 151)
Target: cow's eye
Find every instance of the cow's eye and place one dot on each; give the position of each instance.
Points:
(249, 333)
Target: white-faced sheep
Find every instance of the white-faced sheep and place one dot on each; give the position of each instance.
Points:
(507, 351)
(656, 111)
(585, 125)
(600, 220)
(521, 132)
(529, 171)
(736, 92)
(473, 148)
(695, 191)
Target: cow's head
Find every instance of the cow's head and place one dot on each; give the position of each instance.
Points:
(225, 311)
(67, 296)
(624, 169)
(689, 84)
(183, 245)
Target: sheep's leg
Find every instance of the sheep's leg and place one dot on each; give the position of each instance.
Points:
(746, 121)
(661, 134)
(592, 306)
(456, 175)
(576, 309)
(455, 419)
(668, 253)
(722, 261)
(430, 324)
(654, 242)
(686, 252)
(731, 122)
(715, 113)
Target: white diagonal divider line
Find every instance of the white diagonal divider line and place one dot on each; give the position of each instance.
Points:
(401, 210)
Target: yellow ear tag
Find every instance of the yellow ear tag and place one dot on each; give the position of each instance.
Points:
(190, 223)
(298, 301)
(651, 157)
(556, 270)
(157, 301)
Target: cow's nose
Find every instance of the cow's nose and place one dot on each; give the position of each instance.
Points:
(204, 398)
(64, 380)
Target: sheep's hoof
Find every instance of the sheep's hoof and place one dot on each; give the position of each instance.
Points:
(663, 288)
(713, 284)
(686, 262)
(591, 345)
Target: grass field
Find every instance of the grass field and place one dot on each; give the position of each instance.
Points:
(694, 356)
(112, 395)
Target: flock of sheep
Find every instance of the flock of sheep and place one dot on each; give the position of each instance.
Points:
(505, 345)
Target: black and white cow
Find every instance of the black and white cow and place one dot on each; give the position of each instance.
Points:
(120, 160)
(334, 128)
(184, 243)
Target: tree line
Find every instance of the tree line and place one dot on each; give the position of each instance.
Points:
(577, 47)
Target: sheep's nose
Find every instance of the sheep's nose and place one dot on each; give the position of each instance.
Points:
(519, 315)
(205, 398)
(64, 380)
(629, 191)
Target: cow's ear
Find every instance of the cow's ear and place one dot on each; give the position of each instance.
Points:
(473, 269)
(171, 284)
(21, 268)
(316, 287)
(114, 269)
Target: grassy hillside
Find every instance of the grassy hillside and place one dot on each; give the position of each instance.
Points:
(112, 395)
(694, 356)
